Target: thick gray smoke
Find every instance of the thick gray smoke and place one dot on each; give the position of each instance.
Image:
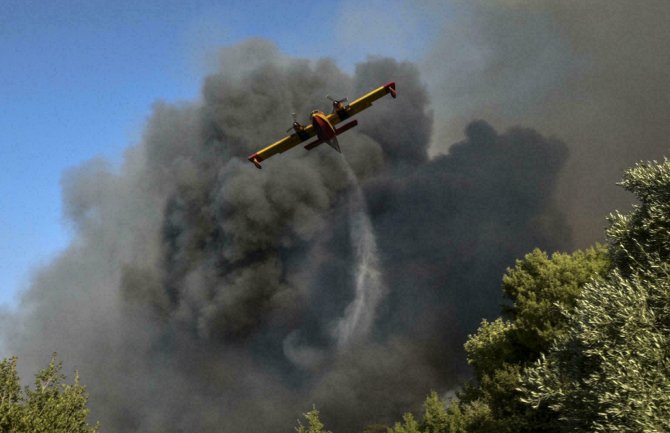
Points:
(594, 73)
(202, 294)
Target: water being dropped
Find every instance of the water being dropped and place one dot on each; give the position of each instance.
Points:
(359, 315)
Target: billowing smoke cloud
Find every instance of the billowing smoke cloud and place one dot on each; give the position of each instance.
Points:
(594, 73)
(201, 294)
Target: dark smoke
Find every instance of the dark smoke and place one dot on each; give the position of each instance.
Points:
(201, 294)
(594, 73)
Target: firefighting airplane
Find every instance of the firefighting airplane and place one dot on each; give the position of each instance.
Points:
(323, 126)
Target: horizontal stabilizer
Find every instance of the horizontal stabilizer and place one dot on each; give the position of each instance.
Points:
(346, 127)
(313, 144)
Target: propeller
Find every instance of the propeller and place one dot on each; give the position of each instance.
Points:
(335, 101)
(295, 120)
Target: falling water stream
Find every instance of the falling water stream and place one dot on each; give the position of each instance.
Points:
(359, 315)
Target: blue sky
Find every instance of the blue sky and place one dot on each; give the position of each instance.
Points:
(78, 79)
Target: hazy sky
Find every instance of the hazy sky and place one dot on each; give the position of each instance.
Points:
(78, 80)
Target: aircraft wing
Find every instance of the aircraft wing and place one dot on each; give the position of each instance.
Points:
(309, 131)
(282, 145)
(362, 103)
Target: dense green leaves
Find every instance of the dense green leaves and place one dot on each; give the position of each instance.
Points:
(454, 417)
(437, 418)
(540, 289)
(408, 425)
(646, 230)
(610, 370)
(51, 406)
(10, 394)
(314, 424)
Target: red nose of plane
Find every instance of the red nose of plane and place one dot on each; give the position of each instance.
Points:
(325, 131)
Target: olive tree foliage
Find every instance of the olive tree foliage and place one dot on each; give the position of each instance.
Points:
(314, 424)
(641, 238)
(51, 406)
(538, 289)
(610, 370)
(437, 418)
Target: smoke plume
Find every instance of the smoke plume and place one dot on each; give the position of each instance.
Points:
(201, 294)
(591, 72)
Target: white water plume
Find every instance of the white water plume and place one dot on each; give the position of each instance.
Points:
(369, 288)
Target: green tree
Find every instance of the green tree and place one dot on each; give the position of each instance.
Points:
(314, 424)
(539, 288)
(439, 417)
(643, 233)
(409, 424)
(52, 406)
(10, 395)
(610, 370)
